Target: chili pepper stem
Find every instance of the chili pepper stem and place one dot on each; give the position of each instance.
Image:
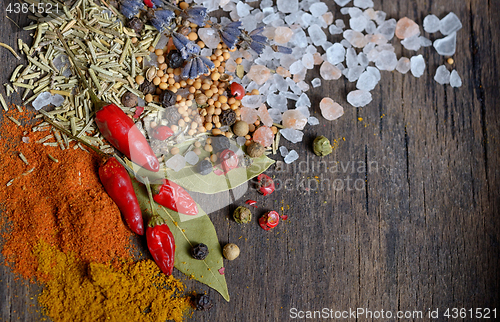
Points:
(68, 133)
(155, 219)
(98, 103)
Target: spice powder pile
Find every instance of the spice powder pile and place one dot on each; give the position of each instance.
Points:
(61, 203)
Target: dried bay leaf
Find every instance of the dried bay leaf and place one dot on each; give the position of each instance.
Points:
(191, 180)
(186, 235)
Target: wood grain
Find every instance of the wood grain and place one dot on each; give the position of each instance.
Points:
(422, 231)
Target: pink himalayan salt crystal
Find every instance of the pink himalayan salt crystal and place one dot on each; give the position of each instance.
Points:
(259, 74)
(283, 72)
(330, 109)
(329, 71)
(264, 135)
(230, 66)
(265, 118)
(282, 35)
(317, 59)
(377, 39)
(356, 38)
(406, 28)
(328, 17)
(269, 32)
(248, 115)
(294, 119)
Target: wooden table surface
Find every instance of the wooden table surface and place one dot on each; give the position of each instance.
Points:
(418, 230)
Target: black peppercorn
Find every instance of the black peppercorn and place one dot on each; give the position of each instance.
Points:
(205, 167)
(147, 87)
(167, 98)
(172, 115)
(199, 251)
(129, 99)
(136, 24)
(203, 302)
(220, 143)
(175, 59)
(228, 117)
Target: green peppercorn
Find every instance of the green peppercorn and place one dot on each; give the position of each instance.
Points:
(242, 215)
(322, 146)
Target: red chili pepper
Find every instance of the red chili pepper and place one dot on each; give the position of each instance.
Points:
(229, 160)
(161, 244)
(123, 134)
(174, 197)
(117, 183)
(251, 203)
(149, 3)
(269, 220)
(115, 126)
(162, 132)
(265, 184)
(237, 90)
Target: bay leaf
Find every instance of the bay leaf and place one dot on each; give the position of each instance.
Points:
(191, 180)
(186, 235)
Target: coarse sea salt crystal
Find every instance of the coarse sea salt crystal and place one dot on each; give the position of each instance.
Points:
(412, 43)
(252, 101)
(330, 109)
(57, 100)
(291, 156)
(292, 135)
(442, 75)
(359, 98)
(455, 80)
(317, 35)
(450, 24)
(192, 158)
(288, 6)
(312, 120)
(42, 100)
(316, 82)
(403, 65)
(240, 140)
(335, 54)
(342, 2)
(387, 28)
(367, 81)
(283, 151)
(355, 38)
(176, 163)
(386, 60)
(317, 9)
(209, 36)
(417, 65)
(431, 24)
(446, 46)
(363, 4)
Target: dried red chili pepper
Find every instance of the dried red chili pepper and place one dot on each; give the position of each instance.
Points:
(149, 3)
(269, 220)
(237, 90)
(116, 127)
(174, 197)
(161, 244)
(116, 181)
(251, 202)
(162, 132)
(265, 184)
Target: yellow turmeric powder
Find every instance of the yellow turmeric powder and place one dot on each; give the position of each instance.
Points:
(126, 291)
